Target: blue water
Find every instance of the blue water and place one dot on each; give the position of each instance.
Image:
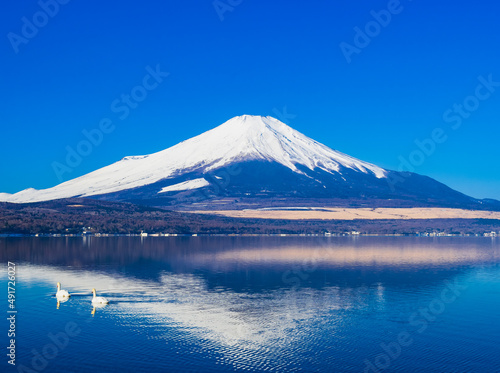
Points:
(255, 304)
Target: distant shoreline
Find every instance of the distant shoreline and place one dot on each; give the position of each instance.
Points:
(168, 235)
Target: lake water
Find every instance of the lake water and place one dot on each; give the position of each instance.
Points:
(255, 304)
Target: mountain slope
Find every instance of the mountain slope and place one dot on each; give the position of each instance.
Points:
(249, 158)
(242, 138)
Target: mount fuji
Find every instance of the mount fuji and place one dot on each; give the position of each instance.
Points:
(252, 161)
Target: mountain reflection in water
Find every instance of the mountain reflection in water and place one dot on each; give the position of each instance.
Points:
(254, 303)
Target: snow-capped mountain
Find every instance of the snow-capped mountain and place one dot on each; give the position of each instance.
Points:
(247, 156)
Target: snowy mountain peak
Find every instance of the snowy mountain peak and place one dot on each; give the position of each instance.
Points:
(267, 138)
(240, 139)
(255, 123)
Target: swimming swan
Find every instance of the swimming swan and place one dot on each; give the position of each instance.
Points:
(61, 293)
(98, 300)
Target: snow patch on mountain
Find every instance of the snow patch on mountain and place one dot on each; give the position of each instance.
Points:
(186, 185)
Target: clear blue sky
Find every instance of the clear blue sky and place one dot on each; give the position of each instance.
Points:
(262, 56)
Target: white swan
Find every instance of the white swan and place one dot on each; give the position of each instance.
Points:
(61, 293)
(98, 300)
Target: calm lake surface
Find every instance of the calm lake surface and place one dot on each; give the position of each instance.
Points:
(255, 304)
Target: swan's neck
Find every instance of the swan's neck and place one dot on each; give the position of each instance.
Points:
(58, 287)
(93, 292)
